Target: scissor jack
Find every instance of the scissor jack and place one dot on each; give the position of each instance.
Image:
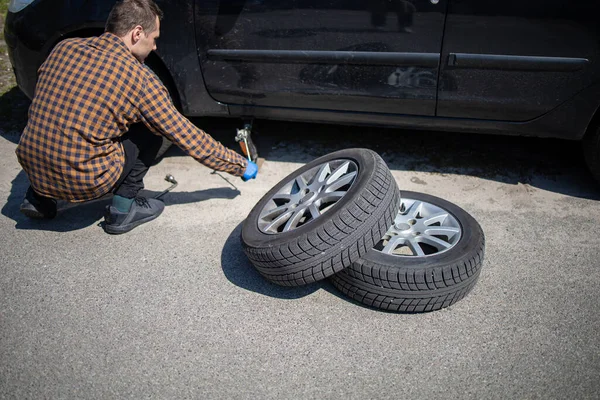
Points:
(245, 140)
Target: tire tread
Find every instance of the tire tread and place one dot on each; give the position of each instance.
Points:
(350, 282)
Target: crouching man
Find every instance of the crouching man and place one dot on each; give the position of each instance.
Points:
(97, 120)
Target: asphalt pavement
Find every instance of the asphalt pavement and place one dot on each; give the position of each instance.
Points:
(174, 309)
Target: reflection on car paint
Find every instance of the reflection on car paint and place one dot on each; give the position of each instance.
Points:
(412, 77)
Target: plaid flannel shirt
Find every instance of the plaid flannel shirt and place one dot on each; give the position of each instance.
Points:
(88, 92)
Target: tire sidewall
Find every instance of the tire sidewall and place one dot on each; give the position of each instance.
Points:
(365, 160)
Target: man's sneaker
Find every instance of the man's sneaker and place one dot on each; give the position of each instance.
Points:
(142, 210)
(38, 207)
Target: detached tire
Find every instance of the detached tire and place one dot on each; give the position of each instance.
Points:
(429, 259)
(321, 218)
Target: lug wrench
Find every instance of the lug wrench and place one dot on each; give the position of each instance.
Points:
(225, 179)
(171, 179)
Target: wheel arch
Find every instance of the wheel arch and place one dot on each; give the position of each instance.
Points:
(154, 61)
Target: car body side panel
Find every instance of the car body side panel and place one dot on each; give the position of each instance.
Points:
(31, 34)
(488, 85)
(568, 121)
(380, 56)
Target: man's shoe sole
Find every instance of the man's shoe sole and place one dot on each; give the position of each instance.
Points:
(119, 229)
(33, 214)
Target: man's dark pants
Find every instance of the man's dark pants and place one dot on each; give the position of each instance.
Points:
(141, 147)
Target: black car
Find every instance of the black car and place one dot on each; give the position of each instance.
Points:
(509, 67)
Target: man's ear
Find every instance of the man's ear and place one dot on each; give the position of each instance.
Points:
(136, 34)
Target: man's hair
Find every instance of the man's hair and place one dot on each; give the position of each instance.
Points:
(127, 14)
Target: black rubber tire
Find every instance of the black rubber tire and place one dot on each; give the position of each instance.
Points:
(591, 151)
(418, 284)
(330, 243)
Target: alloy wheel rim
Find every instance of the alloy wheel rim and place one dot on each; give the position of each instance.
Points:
(308, 196)
(420, 229)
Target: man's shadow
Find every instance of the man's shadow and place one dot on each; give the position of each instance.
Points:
(75, 216)
(239, 271)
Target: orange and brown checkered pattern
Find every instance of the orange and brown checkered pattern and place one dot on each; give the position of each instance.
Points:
(88, 92)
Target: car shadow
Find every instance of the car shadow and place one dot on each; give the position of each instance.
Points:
(239, 271)
(75, 216)
(548, 164)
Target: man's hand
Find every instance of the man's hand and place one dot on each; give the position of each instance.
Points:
(251, 171)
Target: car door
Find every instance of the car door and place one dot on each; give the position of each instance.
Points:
(516, 60)
(379, 56)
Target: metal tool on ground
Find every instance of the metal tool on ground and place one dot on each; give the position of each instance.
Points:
(225, 179)
(171, 179)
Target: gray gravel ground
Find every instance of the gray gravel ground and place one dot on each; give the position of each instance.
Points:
(174, 309)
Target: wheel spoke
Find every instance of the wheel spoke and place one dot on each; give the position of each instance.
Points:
(343, 181)
(414, 209)
(275, 212)
(416, 249)
(277, 222)
(435, 242)
(333, 196)
(441, 217)
(294, 220)
(392, 244)
(321, 174)
(300, 182)
(442, 231)
(314, 211)
(281, 197)
(339, 171)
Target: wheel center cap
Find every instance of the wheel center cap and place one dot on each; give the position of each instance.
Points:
(402, 226)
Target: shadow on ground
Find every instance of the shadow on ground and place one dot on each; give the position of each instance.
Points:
(75, 216)
(548, 164)
(239, 271)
